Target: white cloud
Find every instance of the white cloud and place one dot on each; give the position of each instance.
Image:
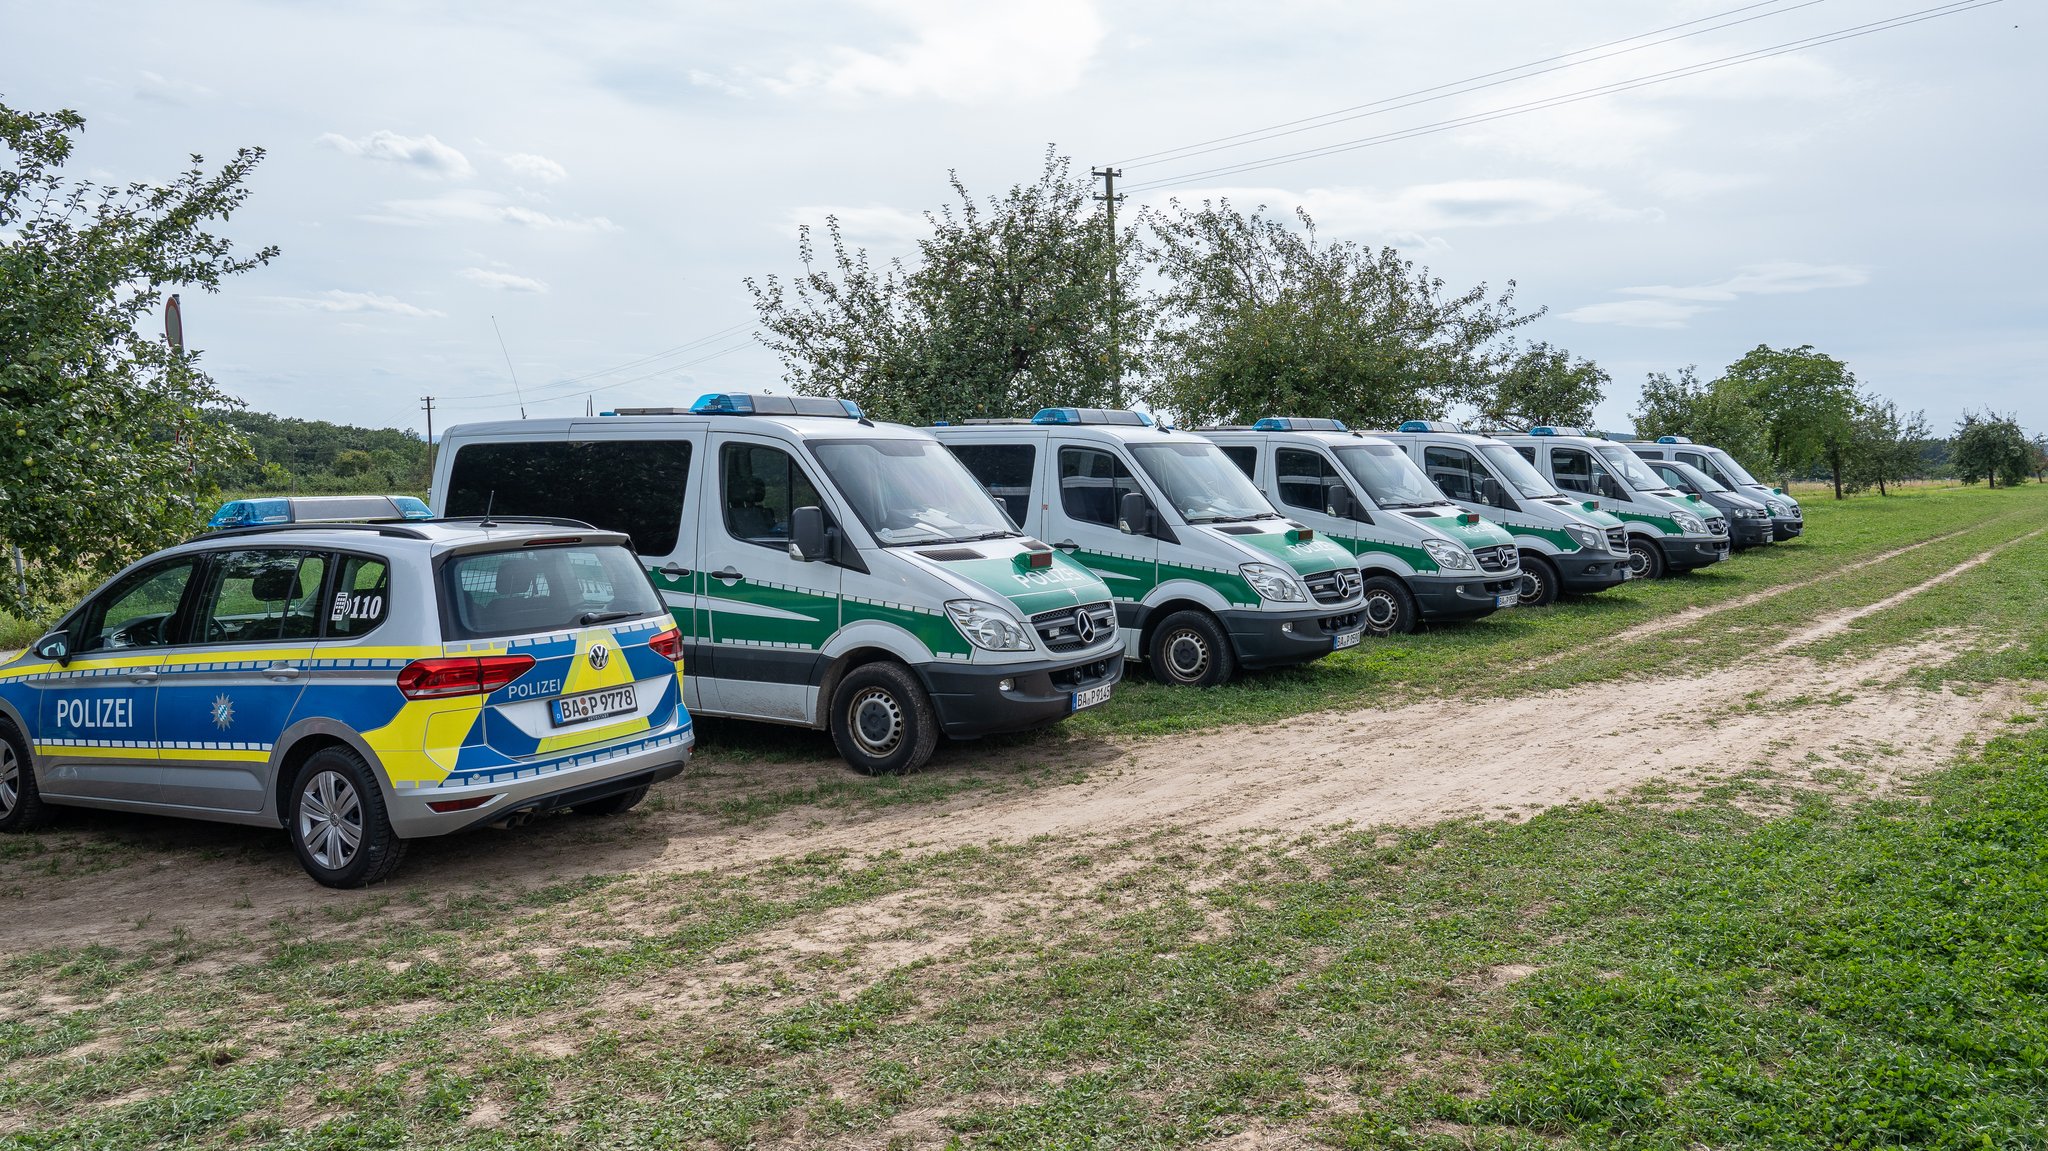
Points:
(1670, 306)
(337, 300)
(1413, 215)
(876, 224)
(424, 154)
(1637, 313)
(502, 281)
(164, 90)
(536, 167)
(481, 207)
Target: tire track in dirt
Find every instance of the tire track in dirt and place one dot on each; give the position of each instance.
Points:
(1841, 621)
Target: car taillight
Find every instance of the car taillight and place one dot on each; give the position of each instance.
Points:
(440, 678)
(668, 645)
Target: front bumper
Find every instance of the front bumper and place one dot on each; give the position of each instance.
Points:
(1750, 533)
(971, 701)
(1278, 639)
(608, 773)
(1785, 529)
(1684, 553)
(1586, 570)
(1464, 596)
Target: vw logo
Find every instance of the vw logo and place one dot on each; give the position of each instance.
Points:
(600, 655)
(1084, 627)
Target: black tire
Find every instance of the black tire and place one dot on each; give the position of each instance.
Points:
(21, 802)
(1388, 609)
(333, 798)
(1539, 581)
(619, 804)
(882, 722)
(1645, 558)
(1189, 649)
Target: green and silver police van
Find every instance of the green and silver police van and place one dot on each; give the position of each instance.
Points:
(1566, 545)
(1667, 532)
(1208, 578)
(825, 570)
(1420, 556)
(1788, 520)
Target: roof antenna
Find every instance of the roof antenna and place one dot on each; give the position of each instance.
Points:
(490, 499)
(508, 366)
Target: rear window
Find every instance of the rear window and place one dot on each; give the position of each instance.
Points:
(630, 486)
(545, 589)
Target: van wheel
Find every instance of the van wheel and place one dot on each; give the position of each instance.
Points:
(21, 805)
(1539, 581)
(1189, 649)
(882, 722)
(1388, 608)
(1645, 559)
(619, 804)
(337, 821)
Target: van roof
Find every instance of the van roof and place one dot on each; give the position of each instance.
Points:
(654, 421)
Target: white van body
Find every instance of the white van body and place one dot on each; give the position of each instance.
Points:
(1667, 532)
(1788, 519)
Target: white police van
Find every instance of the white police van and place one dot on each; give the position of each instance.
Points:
(1788, 520)
(360, 686)
(1667, 532)
(1208, 578)
(1566, 545)
(1420, 556)
(826, 570)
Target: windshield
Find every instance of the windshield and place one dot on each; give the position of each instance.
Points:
(1700, 479)
(1389, 476)
(1735, 471)
(910, 491)
(1514, 469)
(1201, 483)
(1632, 469)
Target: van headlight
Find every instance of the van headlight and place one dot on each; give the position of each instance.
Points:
(1689, 524)
(1587, 537)
(1778, 510)
(1449, 556)
(987, 626)
(1274, 583)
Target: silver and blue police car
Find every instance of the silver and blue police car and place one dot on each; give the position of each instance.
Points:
(359, 685)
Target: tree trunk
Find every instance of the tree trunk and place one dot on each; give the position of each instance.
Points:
(1835, 471)
(1880, 487)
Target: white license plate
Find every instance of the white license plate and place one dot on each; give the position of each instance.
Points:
(1509, 600)
(1345, 639)
(572, 709)
(1092, 696)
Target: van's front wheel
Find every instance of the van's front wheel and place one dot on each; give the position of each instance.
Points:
(1645, 558)
(1190, 650)
(1539, 581)
(882, 721)
(1388, 608)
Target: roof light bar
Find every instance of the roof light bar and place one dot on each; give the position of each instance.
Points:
(1298, 424)
(1547, 430)
(1072, 416)
(1429, 426)
(746, 404)
(1674, 439)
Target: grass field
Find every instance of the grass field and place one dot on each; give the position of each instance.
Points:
(1759, 962)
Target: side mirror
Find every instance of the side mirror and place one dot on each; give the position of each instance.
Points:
(807, 535)
(1134, 514)
(1341, 504)
(55, 646)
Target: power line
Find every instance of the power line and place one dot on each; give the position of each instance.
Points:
(1790, 46)
(1463, 87)
(627, 366)
(742, 345)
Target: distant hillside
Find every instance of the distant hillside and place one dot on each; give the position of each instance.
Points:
(311, 456)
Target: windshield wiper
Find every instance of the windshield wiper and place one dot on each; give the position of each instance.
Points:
(591, 617)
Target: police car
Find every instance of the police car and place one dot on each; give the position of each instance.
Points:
(360, 685)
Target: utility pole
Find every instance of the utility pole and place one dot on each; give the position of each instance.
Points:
(427, 402)
(1109, 198)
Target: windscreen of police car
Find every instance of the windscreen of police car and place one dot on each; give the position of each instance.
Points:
(1517, 471)
(1700, 479)
(1389, 476)
(911, 491)
(1201, 483)
(546, 589)
(1734, 469)
(1632, 469)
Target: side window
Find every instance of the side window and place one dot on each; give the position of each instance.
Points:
(361, 597)
(1464, 478)
(1528, 453)
(631, 486)
(1304, 478)
(1005, 470)
(1706, 465)
(1670, 475)
(139, 611)
(1246, 459)
(762, 486)
(1092, 484)
(1571, 469)
(261, 596)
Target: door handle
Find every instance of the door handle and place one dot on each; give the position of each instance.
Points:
(728, 574)
(281, 673)
(674, 570)
(142, 676)
(1066, 545)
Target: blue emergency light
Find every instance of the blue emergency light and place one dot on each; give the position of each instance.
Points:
(1547, 430)
(1429, 426)
(744, 404)
(1070, 417)
(1673, 440)
(1298, 424)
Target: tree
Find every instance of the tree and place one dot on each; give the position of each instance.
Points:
(1543, 385)
(1714, 414)
(2040, 446)
(104, 437)
(1258, 317)
(1805, 402)
(1008, 308)
(1885, 447)
(1991, 447)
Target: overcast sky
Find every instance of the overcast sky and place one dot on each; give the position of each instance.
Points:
(601, 184)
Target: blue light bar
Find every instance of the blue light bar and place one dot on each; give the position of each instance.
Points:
(1068, 417)
(1547, 430)
(744, 404)
(1673, 440)
(1429, 426)
(1298, 424)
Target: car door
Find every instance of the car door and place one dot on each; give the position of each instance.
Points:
(1580, 471)
(1087, 483)
(96, 722)
(224, 701)
(769, 616)
(1302, 486)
